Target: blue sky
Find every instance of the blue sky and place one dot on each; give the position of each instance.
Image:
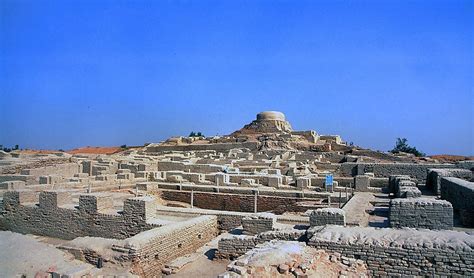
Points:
(77, 73)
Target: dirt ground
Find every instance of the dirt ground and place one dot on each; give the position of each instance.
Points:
(203, 266)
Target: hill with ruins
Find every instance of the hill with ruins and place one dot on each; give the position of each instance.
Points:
(263, 201)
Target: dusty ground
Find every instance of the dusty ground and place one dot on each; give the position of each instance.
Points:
(95, 150)
(357, 207)
(202, 264)
(451, 158)
(22, 254)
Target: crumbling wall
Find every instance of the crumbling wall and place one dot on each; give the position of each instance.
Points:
(237, 202)
(421, 213)
(417, 171)
(233, 246)
(433, 179)
(65, 170)
(325, 216)
(50, 219)
(258, 223)
(460, 193)
(400, 252)
(149, 251)
(222, 147)
(403, 187)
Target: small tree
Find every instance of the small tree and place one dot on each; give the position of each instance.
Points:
(16, 147)
(195, 134)
(402, 146)
(123, 146)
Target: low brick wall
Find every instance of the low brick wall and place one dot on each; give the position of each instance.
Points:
(149, 251)
(400, 252)
(258, 223)
(416, 171)
(234, 246)
(227, 220)
(325, 216)
(460, 193)
(237, 202)
(49, 219)
(433, 179)
(408, 192)
(393, 181)
(421, 213)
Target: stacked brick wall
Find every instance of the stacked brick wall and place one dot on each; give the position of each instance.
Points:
(416, 171)
(421, 213)
(223, 147)
(234, 246)
(258, 223)
(404, 252)
(460, 193)
(403, 186)
(66, 170)
(237, 202)
(49, 219)
(325, 216)
(433, 179)
(149, 251)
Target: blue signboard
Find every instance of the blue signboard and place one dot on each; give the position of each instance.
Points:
(328, 180)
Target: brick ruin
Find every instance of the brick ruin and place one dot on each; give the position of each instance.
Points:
(147, 207)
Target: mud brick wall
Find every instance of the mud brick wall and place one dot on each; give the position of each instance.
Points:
(408, 192)
(460, 193)
(403, 187)
(236, 245)
(149, 251)
(255, 224)
(408, 252)
(236, 202)
(416, 171)
(421, 213)
(223, 147)
(48, 219)
(433, 179)
(325, 216)
(229, 222)
(66, 170)
(394, 181)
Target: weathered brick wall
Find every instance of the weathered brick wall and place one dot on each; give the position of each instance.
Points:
(325, 216)
(50, 220)
(403, 186)
(149, 251)
(66, 170)
(460, 193)
(401, 252)
(433, 179)
(421, 213)
(416, 171)
(258, 223)
(223, 147)
(236, 202)
(234, 246)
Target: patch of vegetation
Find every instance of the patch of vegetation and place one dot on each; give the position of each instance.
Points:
(196, 134)
(402, 146)
(5, 149)
(123, 146)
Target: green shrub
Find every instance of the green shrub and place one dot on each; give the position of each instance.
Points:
(402, 146)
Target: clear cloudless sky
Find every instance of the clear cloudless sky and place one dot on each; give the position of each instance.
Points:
(105, 73)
